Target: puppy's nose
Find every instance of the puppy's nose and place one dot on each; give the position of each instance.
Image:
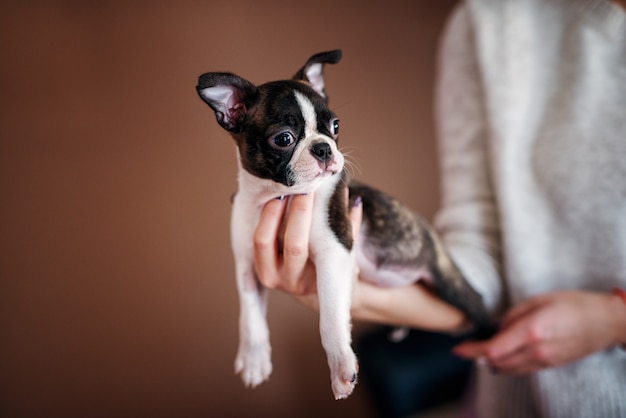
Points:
(322, 152)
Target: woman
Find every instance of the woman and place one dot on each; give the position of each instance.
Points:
(531, 103)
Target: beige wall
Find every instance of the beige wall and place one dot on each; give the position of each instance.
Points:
(117, 294)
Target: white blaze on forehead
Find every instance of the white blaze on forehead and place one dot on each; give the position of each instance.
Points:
(308, 113)
(306, 168)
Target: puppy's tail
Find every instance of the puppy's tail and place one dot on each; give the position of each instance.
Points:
(451, 286)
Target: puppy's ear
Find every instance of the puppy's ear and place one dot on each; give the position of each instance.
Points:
(313, 70)
(230, 97)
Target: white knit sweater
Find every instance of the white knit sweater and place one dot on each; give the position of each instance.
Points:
(532, 126)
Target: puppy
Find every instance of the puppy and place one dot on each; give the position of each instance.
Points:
(286, 137)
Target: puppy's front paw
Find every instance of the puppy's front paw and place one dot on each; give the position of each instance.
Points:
(254, 364)
(343, 375)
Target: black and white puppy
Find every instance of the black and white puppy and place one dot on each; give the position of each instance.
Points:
(286, 139)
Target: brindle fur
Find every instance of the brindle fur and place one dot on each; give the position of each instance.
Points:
(399, 237)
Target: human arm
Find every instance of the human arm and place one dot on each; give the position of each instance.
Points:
(290, 271)
(414, 306)
(468, 217)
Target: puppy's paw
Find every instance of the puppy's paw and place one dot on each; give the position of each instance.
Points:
(254, 364)
(343, 375)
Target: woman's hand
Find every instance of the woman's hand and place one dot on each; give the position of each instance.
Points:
(281, 256)
(282, 261)
(552, 330)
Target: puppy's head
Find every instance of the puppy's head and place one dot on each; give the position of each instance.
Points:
(284, 129)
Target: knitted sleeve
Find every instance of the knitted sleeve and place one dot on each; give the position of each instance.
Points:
(468, 218)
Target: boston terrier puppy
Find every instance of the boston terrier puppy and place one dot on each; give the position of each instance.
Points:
(286, 137)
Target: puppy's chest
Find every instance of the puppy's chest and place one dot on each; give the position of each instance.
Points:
(330, 225)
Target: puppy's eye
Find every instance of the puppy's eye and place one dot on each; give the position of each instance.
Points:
(334, 126)
(283, 139)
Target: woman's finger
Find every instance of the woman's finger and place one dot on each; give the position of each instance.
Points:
(296, 241)
(356, 217)
(266, 259)
(506, 342)
(523, 360)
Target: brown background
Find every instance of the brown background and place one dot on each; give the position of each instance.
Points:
(117, 293)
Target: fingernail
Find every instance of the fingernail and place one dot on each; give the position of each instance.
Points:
(357, 201)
